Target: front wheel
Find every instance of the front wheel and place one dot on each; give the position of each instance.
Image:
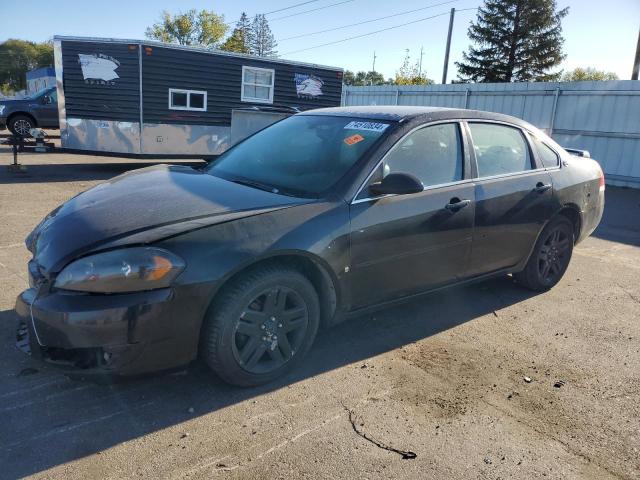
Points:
(261, 326)
(550, 257)
(21, 125)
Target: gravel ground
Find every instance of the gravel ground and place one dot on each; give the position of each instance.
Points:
(485, 381)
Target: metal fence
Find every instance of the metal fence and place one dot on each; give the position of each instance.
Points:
(602, 117)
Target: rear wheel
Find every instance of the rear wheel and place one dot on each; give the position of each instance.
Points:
(21, 125)
(550, 257)
(261, 326)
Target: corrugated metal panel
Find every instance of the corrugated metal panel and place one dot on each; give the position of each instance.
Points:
(602, 117)
(117, 99)
(220, 76)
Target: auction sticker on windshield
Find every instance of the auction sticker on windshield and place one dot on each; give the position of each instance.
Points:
(370, 126)
(353, 139)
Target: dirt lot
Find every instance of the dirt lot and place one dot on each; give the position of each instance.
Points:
(443, 377)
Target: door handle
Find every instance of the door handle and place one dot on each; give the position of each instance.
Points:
(542, 187)
(456, 204)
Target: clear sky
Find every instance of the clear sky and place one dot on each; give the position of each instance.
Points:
(598, 33)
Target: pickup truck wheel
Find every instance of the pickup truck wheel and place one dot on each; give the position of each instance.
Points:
(550, 257)
(261, 326)
(21, 125)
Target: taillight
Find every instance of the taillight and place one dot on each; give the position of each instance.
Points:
(601, 182)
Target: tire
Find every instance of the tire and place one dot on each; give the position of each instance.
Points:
(550, 257)
(21, 125)
(261, 326)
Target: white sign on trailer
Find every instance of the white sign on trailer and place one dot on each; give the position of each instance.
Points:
(98, 67)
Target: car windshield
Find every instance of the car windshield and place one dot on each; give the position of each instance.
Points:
(302, 155)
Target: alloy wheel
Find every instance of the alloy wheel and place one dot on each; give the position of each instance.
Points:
(22, 127)
(270, 330)
(554, 254)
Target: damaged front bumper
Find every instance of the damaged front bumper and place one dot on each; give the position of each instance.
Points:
(99, 334)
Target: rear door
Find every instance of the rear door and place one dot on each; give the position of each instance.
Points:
(404, 244)
(514, 197)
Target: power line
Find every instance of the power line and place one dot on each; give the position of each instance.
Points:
(311, 10)
(231, 24)
(289, 7)
(373, 33)
(367, 21)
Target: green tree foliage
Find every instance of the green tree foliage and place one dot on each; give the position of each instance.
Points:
(241, 38)
(410, 74)
(363, 78)
(514, 40)
(204, 28)
(585, 74)
(262, 42)
(17, 57)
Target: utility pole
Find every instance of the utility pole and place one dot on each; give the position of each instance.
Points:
(420, 68)
(446, 53)
(373, 68)
(636, 63)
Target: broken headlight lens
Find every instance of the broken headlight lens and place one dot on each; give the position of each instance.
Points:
(124, 270)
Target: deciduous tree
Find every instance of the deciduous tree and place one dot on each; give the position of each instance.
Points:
(17, 57)
(363, 78)
(410, 74)
(204, 28)
(585, 74)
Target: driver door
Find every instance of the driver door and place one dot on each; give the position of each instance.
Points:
(406, 244)
(48, 110)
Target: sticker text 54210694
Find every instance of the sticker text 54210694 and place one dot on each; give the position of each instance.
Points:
(370, 126)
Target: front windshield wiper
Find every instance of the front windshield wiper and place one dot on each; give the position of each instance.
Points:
(254, 184)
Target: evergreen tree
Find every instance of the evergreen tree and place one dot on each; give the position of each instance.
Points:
(262, 42)
(240, 39)
(515, 40)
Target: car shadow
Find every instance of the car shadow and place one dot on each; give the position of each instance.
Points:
(48, 420)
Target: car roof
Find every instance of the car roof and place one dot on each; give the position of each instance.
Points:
(426, 114)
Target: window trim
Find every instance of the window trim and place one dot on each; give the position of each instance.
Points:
(533, 159)
(188, 93)
(466, 178)
(271, 87)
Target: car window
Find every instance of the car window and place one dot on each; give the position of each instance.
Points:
(303, 154)
(499, 149)
(433, 154)
(54, 96)
(547, 156)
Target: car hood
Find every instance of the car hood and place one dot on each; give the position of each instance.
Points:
(9, 104)
(144, 206)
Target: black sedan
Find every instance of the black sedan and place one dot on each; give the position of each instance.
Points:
(312, 220)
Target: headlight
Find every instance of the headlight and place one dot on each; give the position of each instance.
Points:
(2, 107)
(124, 270)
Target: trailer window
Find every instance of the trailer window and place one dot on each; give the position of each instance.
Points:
(187, 100)
(257, 84)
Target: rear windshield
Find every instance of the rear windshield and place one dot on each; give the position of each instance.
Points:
(302, 155)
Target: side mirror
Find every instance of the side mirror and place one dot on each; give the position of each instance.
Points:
(398, 183)
(46, 100)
